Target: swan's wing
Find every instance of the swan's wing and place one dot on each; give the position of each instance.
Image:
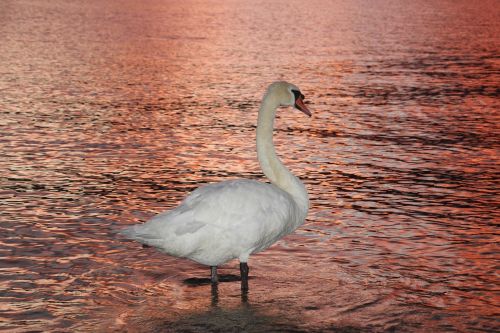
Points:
(237, 204)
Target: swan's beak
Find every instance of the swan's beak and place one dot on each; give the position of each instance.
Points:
(299, 105)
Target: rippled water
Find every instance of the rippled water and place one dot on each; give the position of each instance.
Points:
(113, 111)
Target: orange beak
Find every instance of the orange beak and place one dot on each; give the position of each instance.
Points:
(299, 104)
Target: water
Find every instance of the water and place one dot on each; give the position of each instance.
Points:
(113, 111)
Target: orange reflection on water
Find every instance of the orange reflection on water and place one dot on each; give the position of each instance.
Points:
(114, 112)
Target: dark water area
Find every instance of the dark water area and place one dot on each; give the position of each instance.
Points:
(113, 111)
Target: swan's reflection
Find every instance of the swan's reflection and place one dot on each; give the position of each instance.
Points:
(215, 295)
(215, 318)
(214, 287)
(244, 296)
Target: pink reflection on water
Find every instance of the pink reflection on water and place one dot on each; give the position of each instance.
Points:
(114, 112)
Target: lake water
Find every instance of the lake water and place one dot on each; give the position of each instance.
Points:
(112, 111)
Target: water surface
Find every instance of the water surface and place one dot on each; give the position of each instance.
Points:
(112, 112)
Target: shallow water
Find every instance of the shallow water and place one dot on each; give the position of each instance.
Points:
(112, 112)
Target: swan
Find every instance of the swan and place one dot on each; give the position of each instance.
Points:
(235, 218)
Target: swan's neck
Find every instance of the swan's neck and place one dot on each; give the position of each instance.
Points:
(271, 165)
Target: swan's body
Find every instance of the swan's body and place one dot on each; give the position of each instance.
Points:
(222, 221)
(233, 219)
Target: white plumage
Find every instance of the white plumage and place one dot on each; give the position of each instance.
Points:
(222, 221)
(233, 219)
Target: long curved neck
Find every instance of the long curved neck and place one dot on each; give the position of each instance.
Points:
(271, 165)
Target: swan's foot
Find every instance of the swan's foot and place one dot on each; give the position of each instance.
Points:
(213, 275)
(244, 275)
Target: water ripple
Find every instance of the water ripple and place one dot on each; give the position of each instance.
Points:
(112, 112)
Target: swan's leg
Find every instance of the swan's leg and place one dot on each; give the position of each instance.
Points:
(244, 275)
(213, 274)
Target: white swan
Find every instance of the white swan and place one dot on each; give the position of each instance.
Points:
(233, 219)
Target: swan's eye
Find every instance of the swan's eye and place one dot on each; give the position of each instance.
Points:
(298, 94)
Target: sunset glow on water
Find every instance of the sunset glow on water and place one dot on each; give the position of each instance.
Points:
(113, 111)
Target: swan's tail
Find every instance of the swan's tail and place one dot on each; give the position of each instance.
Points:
(141, 235)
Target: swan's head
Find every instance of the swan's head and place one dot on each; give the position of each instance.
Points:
(288, 94)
